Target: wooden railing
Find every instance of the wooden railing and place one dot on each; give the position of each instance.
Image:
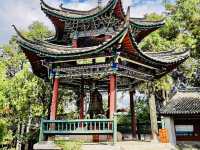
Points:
(79, 127)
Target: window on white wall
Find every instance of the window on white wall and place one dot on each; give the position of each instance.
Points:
(184, 130)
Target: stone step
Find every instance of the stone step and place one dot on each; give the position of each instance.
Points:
(46, 145)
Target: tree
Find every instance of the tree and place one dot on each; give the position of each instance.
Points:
(38, 31)
(24, 96)
(182, 30)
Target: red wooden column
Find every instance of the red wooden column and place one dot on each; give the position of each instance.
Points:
(81, 113)
(54, 100)
(112, 98)
(133, 115)
(108, 112)
(75, 41)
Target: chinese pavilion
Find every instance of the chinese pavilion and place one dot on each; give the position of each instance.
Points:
(97, 50)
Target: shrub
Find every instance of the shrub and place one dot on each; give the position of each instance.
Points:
(70, 145)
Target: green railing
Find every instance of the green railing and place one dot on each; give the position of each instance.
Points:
(79, 127)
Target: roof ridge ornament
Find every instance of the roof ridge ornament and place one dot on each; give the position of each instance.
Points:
(127, 19)
(100, 4)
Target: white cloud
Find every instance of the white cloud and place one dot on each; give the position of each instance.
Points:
(147, 7)
(23, 12)
(81, 5)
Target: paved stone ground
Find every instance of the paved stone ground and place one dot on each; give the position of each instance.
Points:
(132, 145)
(188, 145)
(100, 147)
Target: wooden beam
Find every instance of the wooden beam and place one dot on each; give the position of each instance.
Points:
(138, 63)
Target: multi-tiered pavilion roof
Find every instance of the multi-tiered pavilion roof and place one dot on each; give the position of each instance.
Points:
(90, 45)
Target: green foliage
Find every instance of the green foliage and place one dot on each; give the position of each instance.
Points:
(164, 83)
(3, 129)
(171, 30)
(154, 17)
(181, 30)
(170, 7)
(3, 84)
(187, 14)
(70, 145)
(156, 43)
(22, 94)
(39, 31)
(13, 58)
(143, 116)
(142, 110)
(124, 120)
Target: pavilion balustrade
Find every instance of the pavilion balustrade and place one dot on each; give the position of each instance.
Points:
(79, 127)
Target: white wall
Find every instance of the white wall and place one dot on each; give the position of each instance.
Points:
(169, 125)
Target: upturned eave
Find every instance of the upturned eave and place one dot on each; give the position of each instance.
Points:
(72, 14)
(49, 50)
(165, 58)
(141, 28)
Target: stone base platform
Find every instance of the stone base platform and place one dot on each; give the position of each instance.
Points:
(88, 138)
(47, 145)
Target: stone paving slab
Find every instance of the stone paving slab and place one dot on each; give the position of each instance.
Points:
(130, 146)
(100, 147)
(145, 146)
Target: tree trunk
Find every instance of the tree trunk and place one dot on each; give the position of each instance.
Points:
(18, 145)
(28, 130)
(153, 117)
(22, 133)
(133, 114)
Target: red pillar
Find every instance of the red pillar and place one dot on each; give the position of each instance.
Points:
(81, 113)
(112, 98)
(75, 40)
(74, 43)
(54, 100)
(133, 115)
(81, 107)
(108, 112)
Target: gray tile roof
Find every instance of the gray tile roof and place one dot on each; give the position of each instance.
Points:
(184, 102)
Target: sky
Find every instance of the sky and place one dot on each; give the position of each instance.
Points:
(23, 12)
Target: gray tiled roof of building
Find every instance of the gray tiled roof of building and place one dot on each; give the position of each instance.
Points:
(184, 102)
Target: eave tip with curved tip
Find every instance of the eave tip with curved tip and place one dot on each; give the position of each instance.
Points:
(15, 28)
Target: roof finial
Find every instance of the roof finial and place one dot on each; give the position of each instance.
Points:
(127, 19)
(99, 3)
